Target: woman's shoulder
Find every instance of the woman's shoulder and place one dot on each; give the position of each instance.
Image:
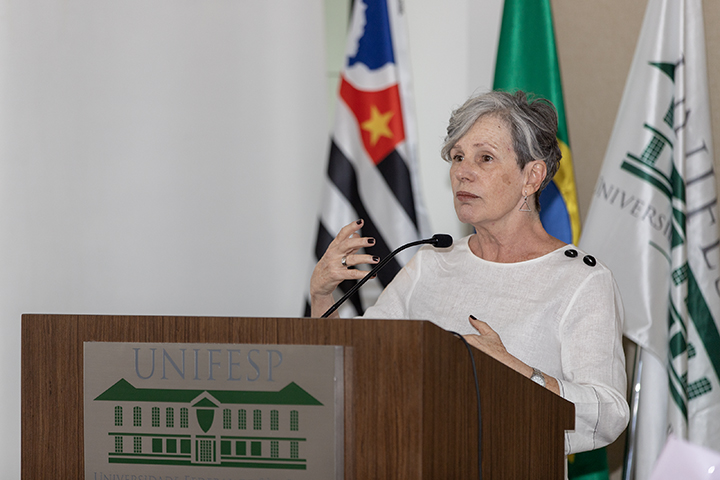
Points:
(573, 265)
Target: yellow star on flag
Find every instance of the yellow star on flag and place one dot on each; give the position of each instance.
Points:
(377, 125)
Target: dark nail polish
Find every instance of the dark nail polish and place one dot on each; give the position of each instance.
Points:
(376, 259)
(359, 221)
(473, 317)
(371, 241)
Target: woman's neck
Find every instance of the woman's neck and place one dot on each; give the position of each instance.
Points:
(513, 244)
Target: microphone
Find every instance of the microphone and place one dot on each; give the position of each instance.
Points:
(439, 240)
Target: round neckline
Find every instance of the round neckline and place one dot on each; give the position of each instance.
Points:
(466, 244)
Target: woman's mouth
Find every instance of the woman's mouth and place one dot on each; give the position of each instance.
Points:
(464, 196)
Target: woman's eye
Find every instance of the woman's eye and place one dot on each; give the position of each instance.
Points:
(487, 158)
(457, 158)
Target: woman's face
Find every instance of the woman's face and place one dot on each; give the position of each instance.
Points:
(486, 179)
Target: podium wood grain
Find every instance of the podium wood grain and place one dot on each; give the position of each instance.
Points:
(410, 407)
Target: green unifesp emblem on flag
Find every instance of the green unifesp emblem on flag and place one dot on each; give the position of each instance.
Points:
(659, 166)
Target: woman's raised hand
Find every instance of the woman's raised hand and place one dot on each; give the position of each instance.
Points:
(334, 266)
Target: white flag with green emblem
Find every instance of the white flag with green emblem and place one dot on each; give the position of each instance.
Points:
(653, 221)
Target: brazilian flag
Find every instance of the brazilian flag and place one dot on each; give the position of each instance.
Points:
(527, 60)
(592, 465)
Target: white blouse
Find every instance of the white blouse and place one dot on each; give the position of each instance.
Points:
(560, 313)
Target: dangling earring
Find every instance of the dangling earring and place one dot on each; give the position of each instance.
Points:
(525, 207)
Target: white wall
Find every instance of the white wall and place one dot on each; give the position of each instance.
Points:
(453, 45)
(165, 157)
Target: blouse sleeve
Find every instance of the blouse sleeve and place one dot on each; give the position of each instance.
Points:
(593, 363)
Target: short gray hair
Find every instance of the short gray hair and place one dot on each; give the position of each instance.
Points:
(533, 127)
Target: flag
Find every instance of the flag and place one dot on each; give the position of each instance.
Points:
(372, 166)
(592, 465)
(527, 60)
(653, 221)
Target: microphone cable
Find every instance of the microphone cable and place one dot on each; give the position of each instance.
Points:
(477, 394)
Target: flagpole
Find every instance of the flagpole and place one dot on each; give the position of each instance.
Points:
(629, 461)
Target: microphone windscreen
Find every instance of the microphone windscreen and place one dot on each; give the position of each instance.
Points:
(442, 240)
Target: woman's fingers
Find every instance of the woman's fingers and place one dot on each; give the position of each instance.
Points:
(357, 259)
(346, 245)
(350, 229)
(482, 327)
(341, 255)
(347, 241)
(486, 340)
(326, 277)
(473, 340)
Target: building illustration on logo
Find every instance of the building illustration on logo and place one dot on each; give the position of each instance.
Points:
(227, 428)
(664, 177)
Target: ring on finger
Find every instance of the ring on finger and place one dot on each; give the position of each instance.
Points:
(344, 261)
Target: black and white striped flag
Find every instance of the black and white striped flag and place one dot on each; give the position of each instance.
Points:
(372, 166)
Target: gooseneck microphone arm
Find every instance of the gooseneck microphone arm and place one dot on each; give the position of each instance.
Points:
(439, 240)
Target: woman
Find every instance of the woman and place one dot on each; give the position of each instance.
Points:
(538, 305)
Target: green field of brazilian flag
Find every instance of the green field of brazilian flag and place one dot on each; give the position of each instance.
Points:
(527, 60)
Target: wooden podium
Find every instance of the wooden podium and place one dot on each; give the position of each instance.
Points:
(410, 402)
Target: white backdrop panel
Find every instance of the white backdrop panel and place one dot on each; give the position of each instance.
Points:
(155, 157)
(166, 156)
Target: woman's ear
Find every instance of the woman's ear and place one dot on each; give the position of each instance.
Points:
(536, 171)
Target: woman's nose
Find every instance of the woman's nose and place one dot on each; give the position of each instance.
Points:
(463, 172)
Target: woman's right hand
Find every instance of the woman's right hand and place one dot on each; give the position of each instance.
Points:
(334, 266)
